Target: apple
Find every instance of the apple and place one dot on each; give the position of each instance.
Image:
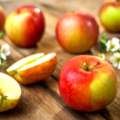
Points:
(10, 92)
(87, 83)
(25, 26)
(2, 18)
(109, 15)
(33, 68)
(77, 32)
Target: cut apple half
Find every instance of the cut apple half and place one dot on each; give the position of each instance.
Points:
(10, 92)
(33, 68)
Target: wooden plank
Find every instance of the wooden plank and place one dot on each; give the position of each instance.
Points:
(42, 100)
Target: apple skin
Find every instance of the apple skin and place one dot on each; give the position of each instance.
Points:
(35, 73)
(2, 18)
(77, 32)
(87, 90)
(25, 26)
(109, 15)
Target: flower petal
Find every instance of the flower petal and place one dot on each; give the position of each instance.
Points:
(114, 64)
(0, 62)
(115, 41)
(7, 53)
(3, 56)
(108, 45)
(5, 49)
(119, 65)
(112, 59)
(115, 48)
(116, 55)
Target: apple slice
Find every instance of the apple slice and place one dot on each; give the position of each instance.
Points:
(33, 68)
(10, 92)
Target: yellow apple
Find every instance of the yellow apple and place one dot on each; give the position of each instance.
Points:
(33, 68)
(25, 25)
(10, 92)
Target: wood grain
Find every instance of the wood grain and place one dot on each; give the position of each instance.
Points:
(42, 101)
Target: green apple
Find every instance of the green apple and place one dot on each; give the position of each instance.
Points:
(109, 15)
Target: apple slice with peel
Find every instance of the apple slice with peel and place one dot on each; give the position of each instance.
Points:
(10, 92)
(33, 68)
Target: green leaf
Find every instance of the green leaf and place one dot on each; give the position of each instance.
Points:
(103, 42)
(0, 34)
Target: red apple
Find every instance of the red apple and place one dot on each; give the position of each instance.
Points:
(2, 18)
(25, 26)
(77, 32)
(87, 83)
(109, 15)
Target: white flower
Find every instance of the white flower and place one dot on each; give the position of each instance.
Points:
(102, 56)
(3, 56)
(115, 60)
(5, 49)
(113, 45)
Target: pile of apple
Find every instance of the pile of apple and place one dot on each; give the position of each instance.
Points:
(86, 83)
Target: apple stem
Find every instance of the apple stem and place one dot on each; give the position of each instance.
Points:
(16, 72)
(90, 69)
(85, 67)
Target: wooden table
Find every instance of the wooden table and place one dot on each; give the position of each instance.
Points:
(42, 101)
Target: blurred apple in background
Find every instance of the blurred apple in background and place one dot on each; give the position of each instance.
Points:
(10, 92)
(25, 26)
(77, 32)
(2, 18)
(33, 68)
(87, 83)
(109, 15)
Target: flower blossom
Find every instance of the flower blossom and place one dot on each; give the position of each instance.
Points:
(115, 60)
(4, 51)
(113, 45)
(102, 56)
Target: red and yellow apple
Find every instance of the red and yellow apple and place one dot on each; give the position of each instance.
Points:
(25, 26)
(87, 83)
(109, 15)
(2, 18)
(33, 68)
(77, 32)
(10, 92)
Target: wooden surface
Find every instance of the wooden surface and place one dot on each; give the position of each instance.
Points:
(42, 101)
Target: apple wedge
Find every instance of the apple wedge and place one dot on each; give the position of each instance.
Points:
(10, 92)
(33, 68)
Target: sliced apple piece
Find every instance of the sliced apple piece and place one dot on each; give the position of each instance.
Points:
(10, 92)
(33, 68)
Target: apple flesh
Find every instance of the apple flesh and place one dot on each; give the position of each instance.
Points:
(109, 15)
(77, 32)
(10, 92)
(25, 26)
(87, 83)
(33, 68)
(2, 18)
